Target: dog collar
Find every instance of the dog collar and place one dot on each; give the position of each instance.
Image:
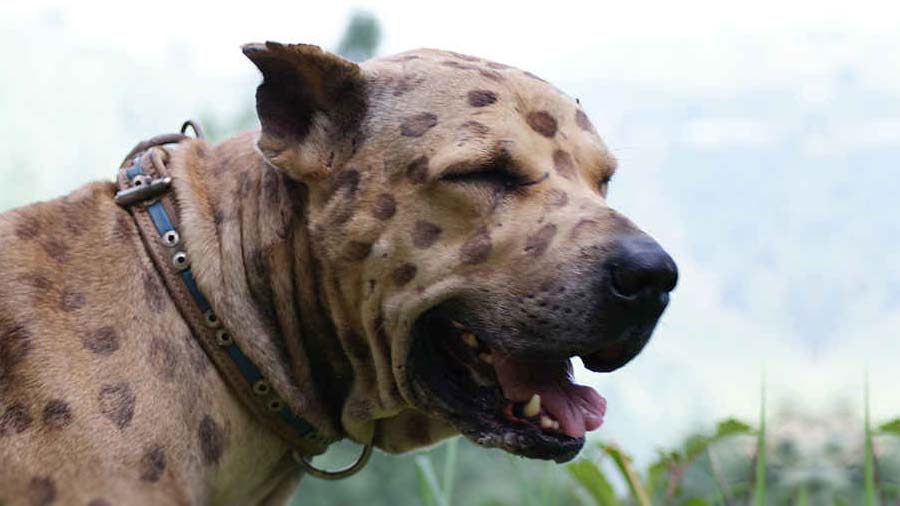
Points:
(144, 189)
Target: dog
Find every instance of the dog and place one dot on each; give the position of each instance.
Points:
(406, 250)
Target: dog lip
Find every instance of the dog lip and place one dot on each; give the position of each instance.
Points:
(442, 384)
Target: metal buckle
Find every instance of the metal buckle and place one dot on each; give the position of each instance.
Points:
(339, 474)
(142, 192)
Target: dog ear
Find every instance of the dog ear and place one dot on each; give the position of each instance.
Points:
(310, 105)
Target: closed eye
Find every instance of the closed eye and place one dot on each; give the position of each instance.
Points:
(498, 173)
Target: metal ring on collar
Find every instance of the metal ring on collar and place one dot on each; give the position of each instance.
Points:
(193, 125)
(171, 238)
(211, 320)
(339, 474)
(223, 338)
(261, 387)
(181, 261)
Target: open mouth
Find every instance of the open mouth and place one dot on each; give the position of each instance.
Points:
(526, 405)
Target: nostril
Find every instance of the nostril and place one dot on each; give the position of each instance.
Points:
(640, 267)
(626, 282)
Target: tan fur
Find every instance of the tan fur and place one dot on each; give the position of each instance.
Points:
(318, 259)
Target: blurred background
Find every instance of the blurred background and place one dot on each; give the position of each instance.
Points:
(759, 143)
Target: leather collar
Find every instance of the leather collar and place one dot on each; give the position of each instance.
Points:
(145, 190)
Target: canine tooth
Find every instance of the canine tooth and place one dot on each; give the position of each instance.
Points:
(555, 425)
(470, 339)
(533, 408)
(487, 358)
(458, 325)
(546, 422)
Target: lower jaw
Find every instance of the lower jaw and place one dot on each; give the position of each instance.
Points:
(488, 426)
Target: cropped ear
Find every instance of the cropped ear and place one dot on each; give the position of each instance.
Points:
(310, 105)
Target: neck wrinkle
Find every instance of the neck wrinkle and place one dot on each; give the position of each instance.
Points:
(258, 214)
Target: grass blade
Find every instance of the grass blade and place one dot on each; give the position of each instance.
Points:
(870, 494)
(759, 487)
(623, 463)
(591, 478)
(428, 483)
(450, 470)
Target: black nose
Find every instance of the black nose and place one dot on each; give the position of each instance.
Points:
(640, 268)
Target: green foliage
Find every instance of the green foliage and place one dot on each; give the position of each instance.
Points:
(759, 490)
(890, 428)
(871, 496)
(361, 38)
(591, 478)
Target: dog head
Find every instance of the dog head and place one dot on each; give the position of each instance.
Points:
(458, 212)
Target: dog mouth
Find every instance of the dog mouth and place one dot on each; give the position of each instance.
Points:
(526, 405)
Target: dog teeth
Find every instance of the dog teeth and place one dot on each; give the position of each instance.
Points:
(548, 423)
(470, 339)
(487, 358)
(458, 325)
(533, 408)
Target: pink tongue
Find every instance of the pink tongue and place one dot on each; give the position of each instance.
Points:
(578, 408)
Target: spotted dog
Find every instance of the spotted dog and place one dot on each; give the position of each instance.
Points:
(408, 249)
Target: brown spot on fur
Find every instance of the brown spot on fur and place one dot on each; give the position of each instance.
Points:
(385, 206)
(425, 234)
(471, 130)
(403, 58)
(163, 357)
(152, 465)
(477, 249)
(417, 124)
(15, 343)
(103, 341)
(41, 491)
(117, 403)
(153, 292)
(70, 300)
(36, 281)
(562, 162)
(481, 98)
(212, 440)
(57, 414)
(28, 228)
(537, 243)
(542, 122)
(491, 74)
(347, 180)
(417, 171)
(404, 274)
(16, 420)
(99, 501)
(355, 251)
(582, 225)
(407, 83)
(56, 249)
(457, 65)
(581, 119)
(557, 198)
(464, 56)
